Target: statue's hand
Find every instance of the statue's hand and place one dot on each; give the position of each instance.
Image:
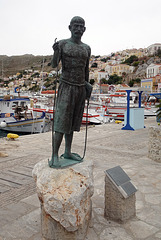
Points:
(56, 46)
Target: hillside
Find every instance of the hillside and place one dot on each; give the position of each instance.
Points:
(12, 65)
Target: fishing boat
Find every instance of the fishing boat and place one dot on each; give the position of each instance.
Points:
(15, 116)
(40, 105)
(102, 107)
(114, 105)
(94, 117)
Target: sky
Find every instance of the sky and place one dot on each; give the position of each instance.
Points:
(31, 26)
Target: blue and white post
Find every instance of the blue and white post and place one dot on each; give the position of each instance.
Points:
(140, 92)
(127, 126)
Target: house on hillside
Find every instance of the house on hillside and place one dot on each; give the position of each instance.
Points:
(157, 83)
(152, 70)
(147, 84)
(104, 88)
(108, 69)
(102, 74)
(152, 49)
(121, 86)
(93, 74)
(121, 68)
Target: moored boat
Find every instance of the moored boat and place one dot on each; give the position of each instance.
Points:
(15, 116)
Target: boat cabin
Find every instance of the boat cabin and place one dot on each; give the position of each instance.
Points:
(10, 105)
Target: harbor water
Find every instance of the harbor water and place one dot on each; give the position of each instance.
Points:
(4, 133)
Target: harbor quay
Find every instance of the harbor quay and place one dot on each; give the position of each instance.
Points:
(107, 146)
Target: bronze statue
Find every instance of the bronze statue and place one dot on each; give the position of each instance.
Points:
(74, 56)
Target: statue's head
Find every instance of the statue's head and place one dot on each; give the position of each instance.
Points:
(77, 27)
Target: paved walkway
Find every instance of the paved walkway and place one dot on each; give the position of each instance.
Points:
(108, 146)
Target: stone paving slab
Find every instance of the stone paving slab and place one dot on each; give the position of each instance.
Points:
(22, 228)
(3, 188)
(14, 177)
(108, 146)
(32, 200)
(22, 171)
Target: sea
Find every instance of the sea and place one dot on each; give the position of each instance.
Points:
(4, 134)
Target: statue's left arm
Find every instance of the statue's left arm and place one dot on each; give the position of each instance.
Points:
(87, 64)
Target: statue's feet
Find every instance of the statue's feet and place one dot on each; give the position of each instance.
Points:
(73, 156)
(54, 163)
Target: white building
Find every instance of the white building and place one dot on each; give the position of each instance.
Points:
(93, 75)
(102, 74)
(108, 69)
(152, 70)
(153, 48)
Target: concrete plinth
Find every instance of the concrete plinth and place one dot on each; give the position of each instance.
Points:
(65, 196)
(154, 150)
(117, 207)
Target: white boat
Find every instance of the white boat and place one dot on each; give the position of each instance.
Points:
(93, 116)
(102, 108)
(32, 125)
(15, 116)
(114, 105)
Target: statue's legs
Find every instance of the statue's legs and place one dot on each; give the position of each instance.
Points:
(57, 141)
(58, 162)
(68, 143)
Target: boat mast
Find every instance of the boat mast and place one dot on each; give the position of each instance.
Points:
(42, 78)
(2, 71)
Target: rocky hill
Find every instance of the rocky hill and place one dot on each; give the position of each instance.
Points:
(12, 65)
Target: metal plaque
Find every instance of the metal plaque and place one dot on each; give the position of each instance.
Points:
(121, 181)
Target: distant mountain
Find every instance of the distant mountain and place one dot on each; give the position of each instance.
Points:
(12, 65)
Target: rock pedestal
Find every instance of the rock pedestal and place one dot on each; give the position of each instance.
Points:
(65, 196)
(154, 151)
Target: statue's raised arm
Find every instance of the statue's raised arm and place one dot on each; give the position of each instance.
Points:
(56, 56)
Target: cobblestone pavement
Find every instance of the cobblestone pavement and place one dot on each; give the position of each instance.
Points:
(108, 146)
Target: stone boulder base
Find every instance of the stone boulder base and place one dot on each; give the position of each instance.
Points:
(65, 196)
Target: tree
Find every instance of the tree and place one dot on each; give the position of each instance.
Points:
(94, 65)
(92, 81)
(135, 64)
(36, 74)
(114, 79)
(19, 76)
(131, 83)
(158, 53)
(131, 60)
(103, 81)
(138, 80)
(105, 59)
(35, 88)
